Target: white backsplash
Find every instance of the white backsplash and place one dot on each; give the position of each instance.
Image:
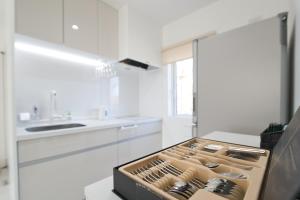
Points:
(79, 91)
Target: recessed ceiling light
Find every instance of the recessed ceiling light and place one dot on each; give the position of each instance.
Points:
(75, 27)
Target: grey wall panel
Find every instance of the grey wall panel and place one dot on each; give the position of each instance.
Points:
(239, 79)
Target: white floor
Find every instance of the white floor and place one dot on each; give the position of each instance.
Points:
(4, 187)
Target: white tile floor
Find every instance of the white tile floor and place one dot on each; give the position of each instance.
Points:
(4, 187)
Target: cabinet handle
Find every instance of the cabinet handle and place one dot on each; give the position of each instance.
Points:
(192, 125)
(129, 127)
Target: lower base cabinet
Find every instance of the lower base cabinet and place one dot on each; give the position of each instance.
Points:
(136, 148)
(65, 178)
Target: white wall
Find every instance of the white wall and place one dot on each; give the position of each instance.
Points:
(79, 90)
(221, 16)
(151, 93)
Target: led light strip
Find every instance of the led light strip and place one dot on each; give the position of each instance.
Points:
(57, 54)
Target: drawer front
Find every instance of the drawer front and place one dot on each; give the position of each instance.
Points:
(148, 128)
(35, 149)
(127, 132)
(65, 178)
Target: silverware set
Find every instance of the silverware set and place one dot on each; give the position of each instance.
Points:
(156, 170)
(192, 146)
(256, 152)
(199, 168)
(233, 175)
(212, 148)
(204, 161)
(184, 190)
(168, 168)
(224, 188)
(147, 167)
(211, 165)
(243, 155)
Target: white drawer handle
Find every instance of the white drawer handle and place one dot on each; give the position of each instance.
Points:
(129, 127)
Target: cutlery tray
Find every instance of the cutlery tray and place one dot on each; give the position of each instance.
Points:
(193, 170)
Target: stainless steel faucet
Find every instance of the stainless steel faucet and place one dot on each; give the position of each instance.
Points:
(53, 106)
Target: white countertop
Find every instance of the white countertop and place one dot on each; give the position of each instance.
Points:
(91, 125)
(103, 189)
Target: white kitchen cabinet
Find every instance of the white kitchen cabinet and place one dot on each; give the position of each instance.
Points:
(148, 144)
(40, 19)
(139, 147)
(30, 150)
(108, 31)
(66, 177)
(81, 25)
(59, 167)
(146, 139)
(87, 25)
(126, 150)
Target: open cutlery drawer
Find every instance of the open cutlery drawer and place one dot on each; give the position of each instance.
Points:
(195, 169)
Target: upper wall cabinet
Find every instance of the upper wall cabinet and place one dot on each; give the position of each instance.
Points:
(40, 19)
(108, 31)
(81, 24)
(87, 25)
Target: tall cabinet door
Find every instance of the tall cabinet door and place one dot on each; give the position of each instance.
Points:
(243, 78)
(40, 19)
(2, 134)
(81, 24)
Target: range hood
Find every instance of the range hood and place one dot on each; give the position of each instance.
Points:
(139, 40)
(138, 64)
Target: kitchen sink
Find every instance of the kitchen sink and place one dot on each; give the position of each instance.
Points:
(53, 127)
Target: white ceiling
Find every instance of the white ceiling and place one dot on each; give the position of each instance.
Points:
(162, 11)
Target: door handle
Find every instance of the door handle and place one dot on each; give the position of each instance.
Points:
(192, 125)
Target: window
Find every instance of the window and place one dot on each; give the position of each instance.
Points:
(182, 87)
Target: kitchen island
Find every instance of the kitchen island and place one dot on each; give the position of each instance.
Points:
(103, 189)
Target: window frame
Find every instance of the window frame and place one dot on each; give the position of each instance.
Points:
(174, 111)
